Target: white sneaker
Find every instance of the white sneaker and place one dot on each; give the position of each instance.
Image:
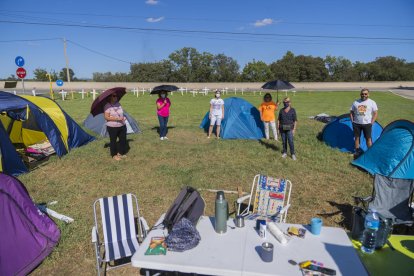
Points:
(162, 138)
(284, 155)
(165, 138)
(294, 157)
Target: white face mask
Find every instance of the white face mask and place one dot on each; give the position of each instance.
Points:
(163, 96)
(218, 95)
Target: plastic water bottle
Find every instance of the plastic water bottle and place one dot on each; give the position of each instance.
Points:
(221, 213)
(369, 236)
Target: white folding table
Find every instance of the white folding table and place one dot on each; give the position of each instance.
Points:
(236, 252)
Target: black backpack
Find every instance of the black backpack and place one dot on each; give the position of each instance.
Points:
(188, 204)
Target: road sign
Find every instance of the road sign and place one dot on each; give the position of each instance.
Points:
(21, 72)
(59, 82)
(19, 61)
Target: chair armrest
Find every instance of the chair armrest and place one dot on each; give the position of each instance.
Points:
(243, 198)
(362, 200)
(94, 235)
(144, 225)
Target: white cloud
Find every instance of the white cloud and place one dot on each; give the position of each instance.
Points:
(263, 22)
(154, 20)
(151, 2)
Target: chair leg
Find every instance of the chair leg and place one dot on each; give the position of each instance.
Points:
(98, 265)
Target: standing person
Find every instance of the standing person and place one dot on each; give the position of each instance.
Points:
(115, 124)
(364, 112)
(216, 114)
(267, 115)
(286, 123)
(163, 111)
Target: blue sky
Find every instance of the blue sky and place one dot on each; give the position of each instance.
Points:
(256, 29)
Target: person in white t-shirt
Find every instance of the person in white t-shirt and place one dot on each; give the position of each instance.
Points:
(216, 114)
(364, 112)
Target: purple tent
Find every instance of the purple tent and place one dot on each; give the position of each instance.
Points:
(27, 235)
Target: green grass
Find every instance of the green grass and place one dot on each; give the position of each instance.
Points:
(323, 179)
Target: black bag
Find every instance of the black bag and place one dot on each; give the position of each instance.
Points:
(188, 204)
(358, 221)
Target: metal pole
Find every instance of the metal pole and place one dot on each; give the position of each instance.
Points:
(67, 60)
(23, 86)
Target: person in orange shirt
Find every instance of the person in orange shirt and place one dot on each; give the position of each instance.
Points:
(267, 115)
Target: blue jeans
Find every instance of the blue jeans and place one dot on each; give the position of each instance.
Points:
(163, 125)
(287, 136)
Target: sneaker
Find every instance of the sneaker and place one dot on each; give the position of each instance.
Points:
(162, 138)
(208, 137)
(284, 155)
(116, 157)
(294, 157)
(165, 138)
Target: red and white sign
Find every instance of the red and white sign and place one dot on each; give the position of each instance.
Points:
(21, 72)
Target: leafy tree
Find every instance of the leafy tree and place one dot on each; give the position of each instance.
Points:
(40, 74)
(226, 69)
(389, 68)
(256, 71)
(182, 64)
(109, 76)
(339, 68)
(150, 72)
(285, 68)
(11, 78)
(63, 74)
(311, 68)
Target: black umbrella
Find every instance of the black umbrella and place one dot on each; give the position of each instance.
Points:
(164, 88)
(98, 105)
(276, 85)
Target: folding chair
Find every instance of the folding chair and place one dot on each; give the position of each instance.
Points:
(269, 198)
(391, 198)
(120, 239)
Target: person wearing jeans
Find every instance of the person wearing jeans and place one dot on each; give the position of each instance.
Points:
(115, 125)
(286, 123)
(163, 111)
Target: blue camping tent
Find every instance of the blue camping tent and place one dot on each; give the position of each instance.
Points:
(340, 134)
(241, 120)
(28, 120)
(393, 153)
(97, 124)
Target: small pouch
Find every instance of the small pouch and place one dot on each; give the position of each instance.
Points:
(287, 127)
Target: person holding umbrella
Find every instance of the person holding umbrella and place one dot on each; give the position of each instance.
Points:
(267, 115)
(115, 124)
(286, 123)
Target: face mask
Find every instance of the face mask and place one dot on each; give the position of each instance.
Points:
(217, 95)
(285, 104)
(163, 96)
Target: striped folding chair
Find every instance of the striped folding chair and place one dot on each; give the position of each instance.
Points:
(119, 229)
(269, 199)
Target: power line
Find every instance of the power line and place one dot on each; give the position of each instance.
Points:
(206, 32)
(96, 52)
(26, 40)
(215, 19)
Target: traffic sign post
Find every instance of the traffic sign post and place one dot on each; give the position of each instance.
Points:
(21, 74)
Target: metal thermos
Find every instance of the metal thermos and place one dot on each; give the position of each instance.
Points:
(221, 213)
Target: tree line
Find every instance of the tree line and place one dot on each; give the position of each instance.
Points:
(189, 65)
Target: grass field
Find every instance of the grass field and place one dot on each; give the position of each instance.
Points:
(323, 179)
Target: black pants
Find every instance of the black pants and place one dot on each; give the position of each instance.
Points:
(114, 133)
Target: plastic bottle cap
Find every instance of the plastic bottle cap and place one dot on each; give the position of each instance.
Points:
(220, 195)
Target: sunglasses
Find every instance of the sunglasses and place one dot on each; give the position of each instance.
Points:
(364, 94)
(114, 96)
(287, 102)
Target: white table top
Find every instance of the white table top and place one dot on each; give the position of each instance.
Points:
(236, 252)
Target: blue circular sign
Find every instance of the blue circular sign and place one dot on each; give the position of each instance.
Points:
(19, 61)
(59, 82)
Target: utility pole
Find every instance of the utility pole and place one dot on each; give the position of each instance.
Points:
(67, 60)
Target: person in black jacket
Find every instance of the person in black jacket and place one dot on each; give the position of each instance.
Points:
(286, 123)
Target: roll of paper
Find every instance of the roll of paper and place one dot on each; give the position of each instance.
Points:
(272, 227)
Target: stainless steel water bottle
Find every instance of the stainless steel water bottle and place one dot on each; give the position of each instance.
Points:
(221, 213)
